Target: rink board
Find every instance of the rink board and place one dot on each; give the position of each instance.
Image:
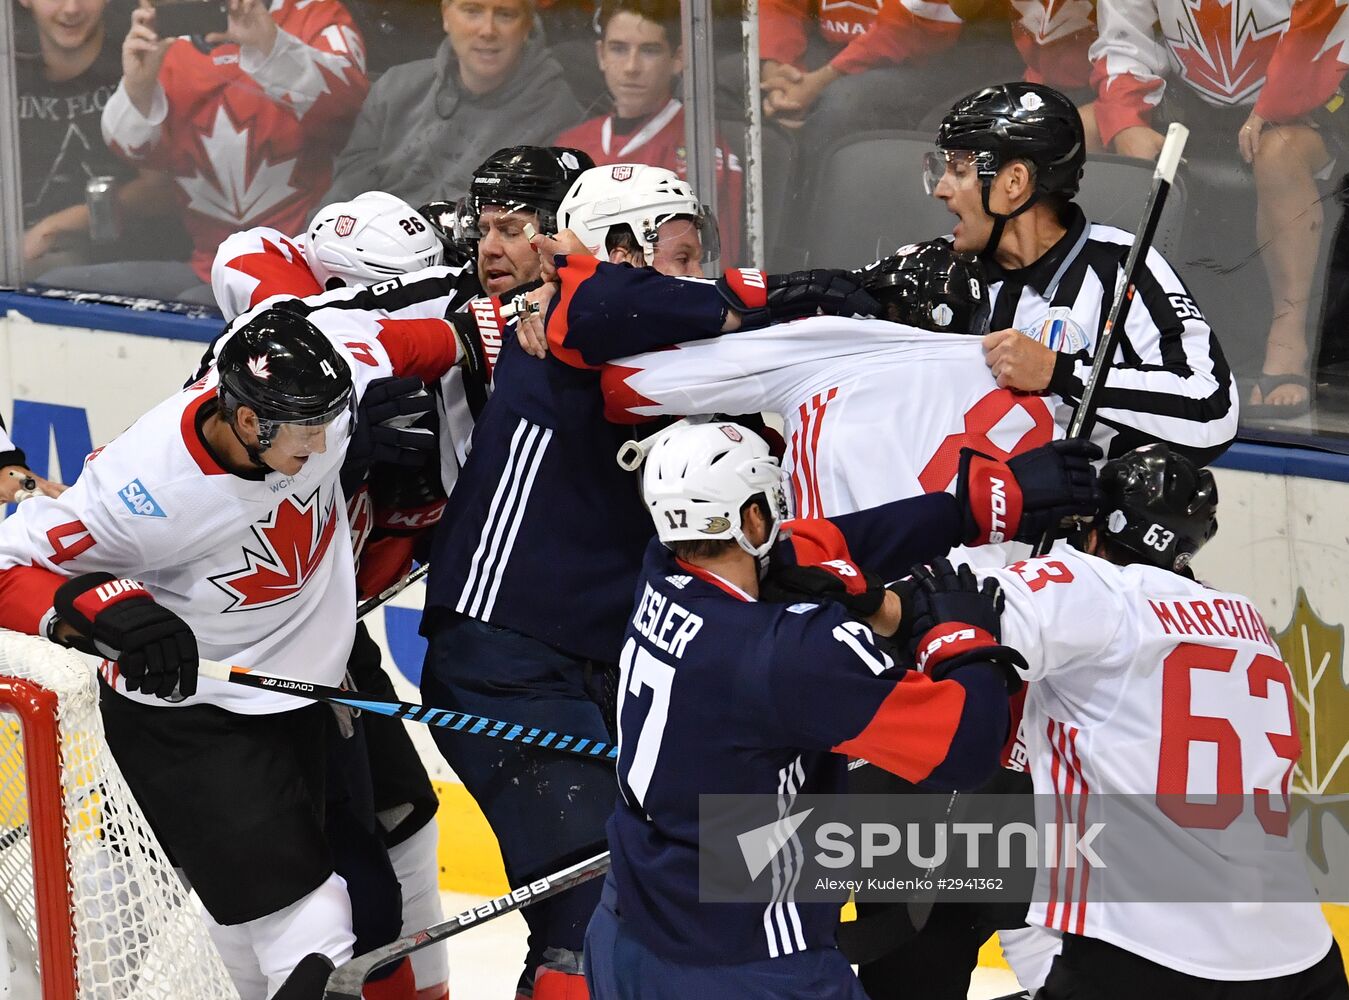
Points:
(72, 376)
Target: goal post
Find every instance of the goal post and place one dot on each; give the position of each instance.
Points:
(96, 907)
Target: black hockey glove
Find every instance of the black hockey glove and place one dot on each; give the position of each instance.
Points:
(761, 298)
(1027, 495)
(385, 429)
(117, 619)
(953, 621)
(861, 593)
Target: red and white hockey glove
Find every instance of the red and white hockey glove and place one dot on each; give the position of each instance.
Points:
(1027, 495)
(117, 619)
(954, 621)
(811, 563)
(762, 298)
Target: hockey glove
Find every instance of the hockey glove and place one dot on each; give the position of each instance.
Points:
(837, 580)
(385, 428)
(953, 621)
(117, 619)
(761, 298)
(1027, 495)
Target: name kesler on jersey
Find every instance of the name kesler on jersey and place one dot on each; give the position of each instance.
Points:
(139, 501)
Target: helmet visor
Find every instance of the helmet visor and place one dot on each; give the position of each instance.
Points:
(681, 244)
(961, 165)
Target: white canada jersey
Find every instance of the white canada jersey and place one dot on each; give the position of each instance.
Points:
(261, 570)
(1132, 668)
(874, 411)
(406, 312)
(257, 264)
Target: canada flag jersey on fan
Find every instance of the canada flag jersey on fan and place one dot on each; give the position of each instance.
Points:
(1128, 666)
(260, 569)
(249, 140)
(1286, 58)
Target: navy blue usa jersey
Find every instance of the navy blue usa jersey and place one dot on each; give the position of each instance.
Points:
(543, 533)
(722, 694)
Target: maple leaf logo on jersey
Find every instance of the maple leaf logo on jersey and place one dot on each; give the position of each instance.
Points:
(1222, 51)
(1049, 20)
(290, 546)
(1338, 35)
(242, 190)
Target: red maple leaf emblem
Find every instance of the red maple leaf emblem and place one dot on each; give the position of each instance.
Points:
(292, 542)
(278, 268)
(1222, 51)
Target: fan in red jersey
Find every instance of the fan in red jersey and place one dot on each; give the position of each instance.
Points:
(640, 56)
(246, 126)
(1264, 73)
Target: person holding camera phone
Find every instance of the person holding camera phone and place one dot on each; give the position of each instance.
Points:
(66, 68)
(245, 119)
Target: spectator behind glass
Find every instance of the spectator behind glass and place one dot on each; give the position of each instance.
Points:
(428, 124)
(640, 57)
(247, 131)
(1052, 36)
(850, 67)
(1283, 116)
(62, 88)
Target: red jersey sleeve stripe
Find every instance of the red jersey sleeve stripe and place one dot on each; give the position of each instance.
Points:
(423, 348)
(911, 732)
(577, 270)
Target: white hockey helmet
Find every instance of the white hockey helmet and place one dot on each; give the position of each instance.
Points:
(373, 237)
(639, 196)
(699, 475)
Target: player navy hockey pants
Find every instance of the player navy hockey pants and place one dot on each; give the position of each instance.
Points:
(546, 809)
(619, 967)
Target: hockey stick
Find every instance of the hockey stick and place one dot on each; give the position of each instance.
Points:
(345, 983)
(388, 593)
(438, 718)
(1084, 417)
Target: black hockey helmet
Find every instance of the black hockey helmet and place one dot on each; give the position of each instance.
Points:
(280, 366)
(1014, 121)
(1158, 505)
(930, 286)
(1020, 121)
(523, 178)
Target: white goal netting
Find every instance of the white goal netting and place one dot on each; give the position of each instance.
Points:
(95, 911)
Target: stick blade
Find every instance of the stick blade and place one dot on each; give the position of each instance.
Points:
(308, 980)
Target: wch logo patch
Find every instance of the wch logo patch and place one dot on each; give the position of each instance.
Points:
(139, 501)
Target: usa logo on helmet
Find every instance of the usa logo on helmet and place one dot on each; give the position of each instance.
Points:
(345, 224)
(622, 172)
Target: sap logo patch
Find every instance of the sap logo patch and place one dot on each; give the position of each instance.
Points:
(139, 501)
(801, 609)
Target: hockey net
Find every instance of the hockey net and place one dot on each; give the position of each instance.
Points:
(95, 911)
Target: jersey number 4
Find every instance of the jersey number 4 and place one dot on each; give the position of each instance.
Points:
(1265, 677)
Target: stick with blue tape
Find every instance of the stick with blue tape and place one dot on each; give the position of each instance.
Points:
(439, 718)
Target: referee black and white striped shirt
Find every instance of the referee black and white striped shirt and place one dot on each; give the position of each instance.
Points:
(1168, 381)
